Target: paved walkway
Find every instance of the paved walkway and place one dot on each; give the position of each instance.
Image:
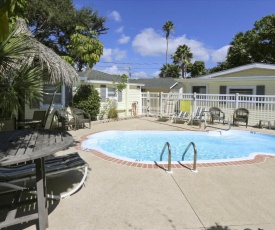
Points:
(116, 196)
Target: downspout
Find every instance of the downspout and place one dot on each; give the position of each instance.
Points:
(127, 100)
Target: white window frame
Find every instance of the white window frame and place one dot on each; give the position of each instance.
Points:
(115, 97)
(56, 105)
(241, 87)
(201, 85)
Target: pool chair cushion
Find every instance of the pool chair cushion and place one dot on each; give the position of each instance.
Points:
(54, 165)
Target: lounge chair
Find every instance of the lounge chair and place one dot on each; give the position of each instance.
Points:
(198, 115)
(169, 109)
(216, 114)
(10, 176)
(240, 115)
(182, 116)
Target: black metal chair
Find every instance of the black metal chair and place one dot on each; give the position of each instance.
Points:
(240, 115)
(216, 114)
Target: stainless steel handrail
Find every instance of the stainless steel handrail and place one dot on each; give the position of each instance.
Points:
(195, 155)
(167, 145)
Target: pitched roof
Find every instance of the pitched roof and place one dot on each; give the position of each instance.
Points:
(240, 68)
(96, 75)
(157, 83)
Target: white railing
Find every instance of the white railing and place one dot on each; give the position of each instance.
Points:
(261, 107)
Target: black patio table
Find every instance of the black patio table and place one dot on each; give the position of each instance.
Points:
(22, 146)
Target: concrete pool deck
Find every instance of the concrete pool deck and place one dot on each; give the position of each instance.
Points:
(116, 196)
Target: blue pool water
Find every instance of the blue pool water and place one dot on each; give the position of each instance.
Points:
(148, 145)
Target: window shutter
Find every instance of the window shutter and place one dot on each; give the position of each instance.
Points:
(222, 91)
(260, 90)
(119, 96)
(103, 93)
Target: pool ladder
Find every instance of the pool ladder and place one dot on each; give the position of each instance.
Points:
(195, 156)
(167, 145)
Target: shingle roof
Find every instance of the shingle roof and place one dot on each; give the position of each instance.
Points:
(96, 75)
(156, 83)
(150, 83)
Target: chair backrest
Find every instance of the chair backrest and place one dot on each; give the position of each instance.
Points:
(241, 113)
(215, 110)
(39, 115)
(169, 107)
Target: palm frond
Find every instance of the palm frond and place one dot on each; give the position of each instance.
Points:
(20, 85)
(13, 51)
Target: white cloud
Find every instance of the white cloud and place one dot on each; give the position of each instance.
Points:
(156, 74)
(115, 15)
(114, 70)
(124, 39)
(107, 55)
(152, 44)
(119, 54)
(139, 75)
(149, 43)
(220, 54)
(119, 30)
(113, 54)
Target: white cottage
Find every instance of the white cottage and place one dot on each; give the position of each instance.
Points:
(128, 101)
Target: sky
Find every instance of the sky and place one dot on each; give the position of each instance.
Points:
(135, 43)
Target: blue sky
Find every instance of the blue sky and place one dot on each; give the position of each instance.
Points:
(136, 44)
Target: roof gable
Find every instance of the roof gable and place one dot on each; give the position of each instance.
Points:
(95, 75)
(156, 83)
(246, 70)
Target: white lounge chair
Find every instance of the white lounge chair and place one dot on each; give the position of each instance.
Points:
(169, 109)
(182, 116)
(198, 115)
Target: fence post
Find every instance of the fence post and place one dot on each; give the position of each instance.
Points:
(160, 102)
(148, 103)
(237, 101)
(194, 102)
(194, 107)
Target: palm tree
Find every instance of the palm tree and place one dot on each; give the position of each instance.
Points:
(169, 70)
(168, 26)
(182, 57)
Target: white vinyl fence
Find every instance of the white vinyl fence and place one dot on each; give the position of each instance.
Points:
(260, 107)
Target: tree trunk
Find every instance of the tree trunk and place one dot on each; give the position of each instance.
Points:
(166, 50)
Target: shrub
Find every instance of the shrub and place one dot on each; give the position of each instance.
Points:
(113, 114)
(88, 99)
(107, 107)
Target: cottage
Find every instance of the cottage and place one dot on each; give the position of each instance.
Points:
(251, 79)
(128, 100)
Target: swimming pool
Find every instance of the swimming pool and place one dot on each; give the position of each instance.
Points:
(211, 146)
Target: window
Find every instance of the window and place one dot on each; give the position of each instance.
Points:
(248, 90)
(111, 93)
(201, 89)
(241, 91)
(49, 90)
